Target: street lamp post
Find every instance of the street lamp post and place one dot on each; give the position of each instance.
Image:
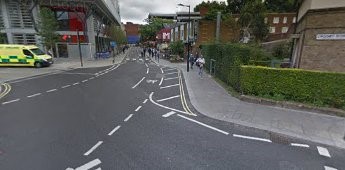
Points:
(188, 54)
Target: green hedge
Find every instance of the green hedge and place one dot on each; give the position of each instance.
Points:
(318, 88)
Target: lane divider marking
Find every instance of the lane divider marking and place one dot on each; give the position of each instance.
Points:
(11, 101)
(6, 90)
(323, 151)
(300, 145)
(170, 86)
(91, 78)
(168, 114)
(252, 138)
(65, 86)
(93, 148)
(114, 130)
(127, 118)
(161, 82)
(75, 84)
(145, 101)
(52, 90)
(138, 83)
(146, 65)
(34, 95)
(84, 81)
(173, 97)
(138, 108)
(147, 70)
(203, 124)
(88, 165)
(183, 97)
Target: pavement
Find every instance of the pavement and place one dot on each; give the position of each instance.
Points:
(60, 64)
(212, 100)
(135, 115)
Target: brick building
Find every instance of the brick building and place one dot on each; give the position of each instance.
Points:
(320, 36)
(132, 32)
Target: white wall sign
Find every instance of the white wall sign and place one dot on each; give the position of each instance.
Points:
(330, 36)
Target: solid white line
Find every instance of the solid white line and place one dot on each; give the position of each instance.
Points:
(52, 90)
(323, 151)
(162, 71)
(329, 168)
(10, 101)
(127, 118)
(165, 107)
(66, 86)
(171, 78)
(170, 86)
(138, 108)
(300, 145)
(89, 165)
(171, 69)
(93, 148)
(203, 124)
(146, 65)
(168, 98)
(75, 84)
(147, 70)
(145, 101)
(114, 130)
(138, 83)
(171, 73)
(168, 114)
(84, 81)
(34, 95)
(252, 138)
(161, 82)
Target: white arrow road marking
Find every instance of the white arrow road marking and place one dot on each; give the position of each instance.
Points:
(93, 148)
(323, 151)
(168, 114)
(138, 83)
(173, 97)
(252, 138)
(203, 124)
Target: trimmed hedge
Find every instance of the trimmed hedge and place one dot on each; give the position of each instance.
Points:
(318, 88)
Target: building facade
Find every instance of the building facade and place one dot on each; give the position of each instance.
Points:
(91, 19)
(132, 32)
(320, 36)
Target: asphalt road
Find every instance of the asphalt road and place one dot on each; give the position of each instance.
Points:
(135, 115)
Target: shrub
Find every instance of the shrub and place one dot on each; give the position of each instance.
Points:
(317, 88)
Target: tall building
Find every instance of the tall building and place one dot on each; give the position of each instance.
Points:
(90, 18)
(132, 32)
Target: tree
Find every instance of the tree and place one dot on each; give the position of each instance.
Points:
(2, 38)
(177, 48)
(252, 21)
(148, 32)
(117, 34)
(281, 5)
(214, 5)
(48, 26)
(236, 6)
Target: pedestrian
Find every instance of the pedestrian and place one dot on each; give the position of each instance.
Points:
(158, 53)
(191, 61)
(144, 51)
(153, 52)
(201, 62)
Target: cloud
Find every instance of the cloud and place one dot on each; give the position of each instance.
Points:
(138, 10)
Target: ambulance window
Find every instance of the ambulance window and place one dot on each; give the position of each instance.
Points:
(27, 53)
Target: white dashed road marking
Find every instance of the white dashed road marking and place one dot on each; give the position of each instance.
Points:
(75, 84)
(300, 145)
(252, 138)
(329, 168)
(171, 73)
(91, 78)
(146, 65)
(323, 151)
(172, 78)
(66, 86)
(170, 86)
(138, 108)
(127, 118)
(168, 114)
(114, 130)
(162, 71)
(93, 148)
(12, 101)
(138, 83)
(161, 82)
(52, 90)
(85, 81)
(203, 124)
(145, 101)
(88, 165)
(34, 95)
(147, 70)
(173, 97)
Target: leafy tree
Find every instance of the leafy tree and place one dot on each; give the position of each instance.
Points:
(252, 21)
(177, 48)
(2, 38)
(236, 6)
(281, 5)
(117, 34)
(48, 26)
(148, 32)
(214, 5)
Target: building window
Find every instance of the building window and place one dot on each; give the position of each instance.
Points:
(294, 20)
(24, 39)
(276, 20)
(266, 20)
(285, 20)
(285, 30)
(272, 30)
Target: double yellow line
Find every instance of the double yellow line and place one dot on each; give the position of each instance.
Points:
(6, 89)
(183, 98)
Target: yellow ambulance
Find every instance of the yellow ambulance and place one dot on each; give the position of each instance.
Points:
(23, 55)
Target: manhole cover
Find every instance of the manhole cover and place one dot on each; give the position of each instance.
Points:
(275, 138)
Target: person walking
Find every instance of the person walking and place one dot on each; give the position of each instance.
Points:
(191, 61)
(201, 62)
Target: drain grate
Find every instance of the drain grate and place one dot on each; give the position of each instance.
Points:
(276, 138)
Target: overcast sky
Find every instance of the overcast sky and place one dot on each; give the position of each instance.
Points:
(137, 10)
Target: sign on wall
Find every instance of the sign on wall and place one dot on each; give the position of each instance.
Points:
(330, 36)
